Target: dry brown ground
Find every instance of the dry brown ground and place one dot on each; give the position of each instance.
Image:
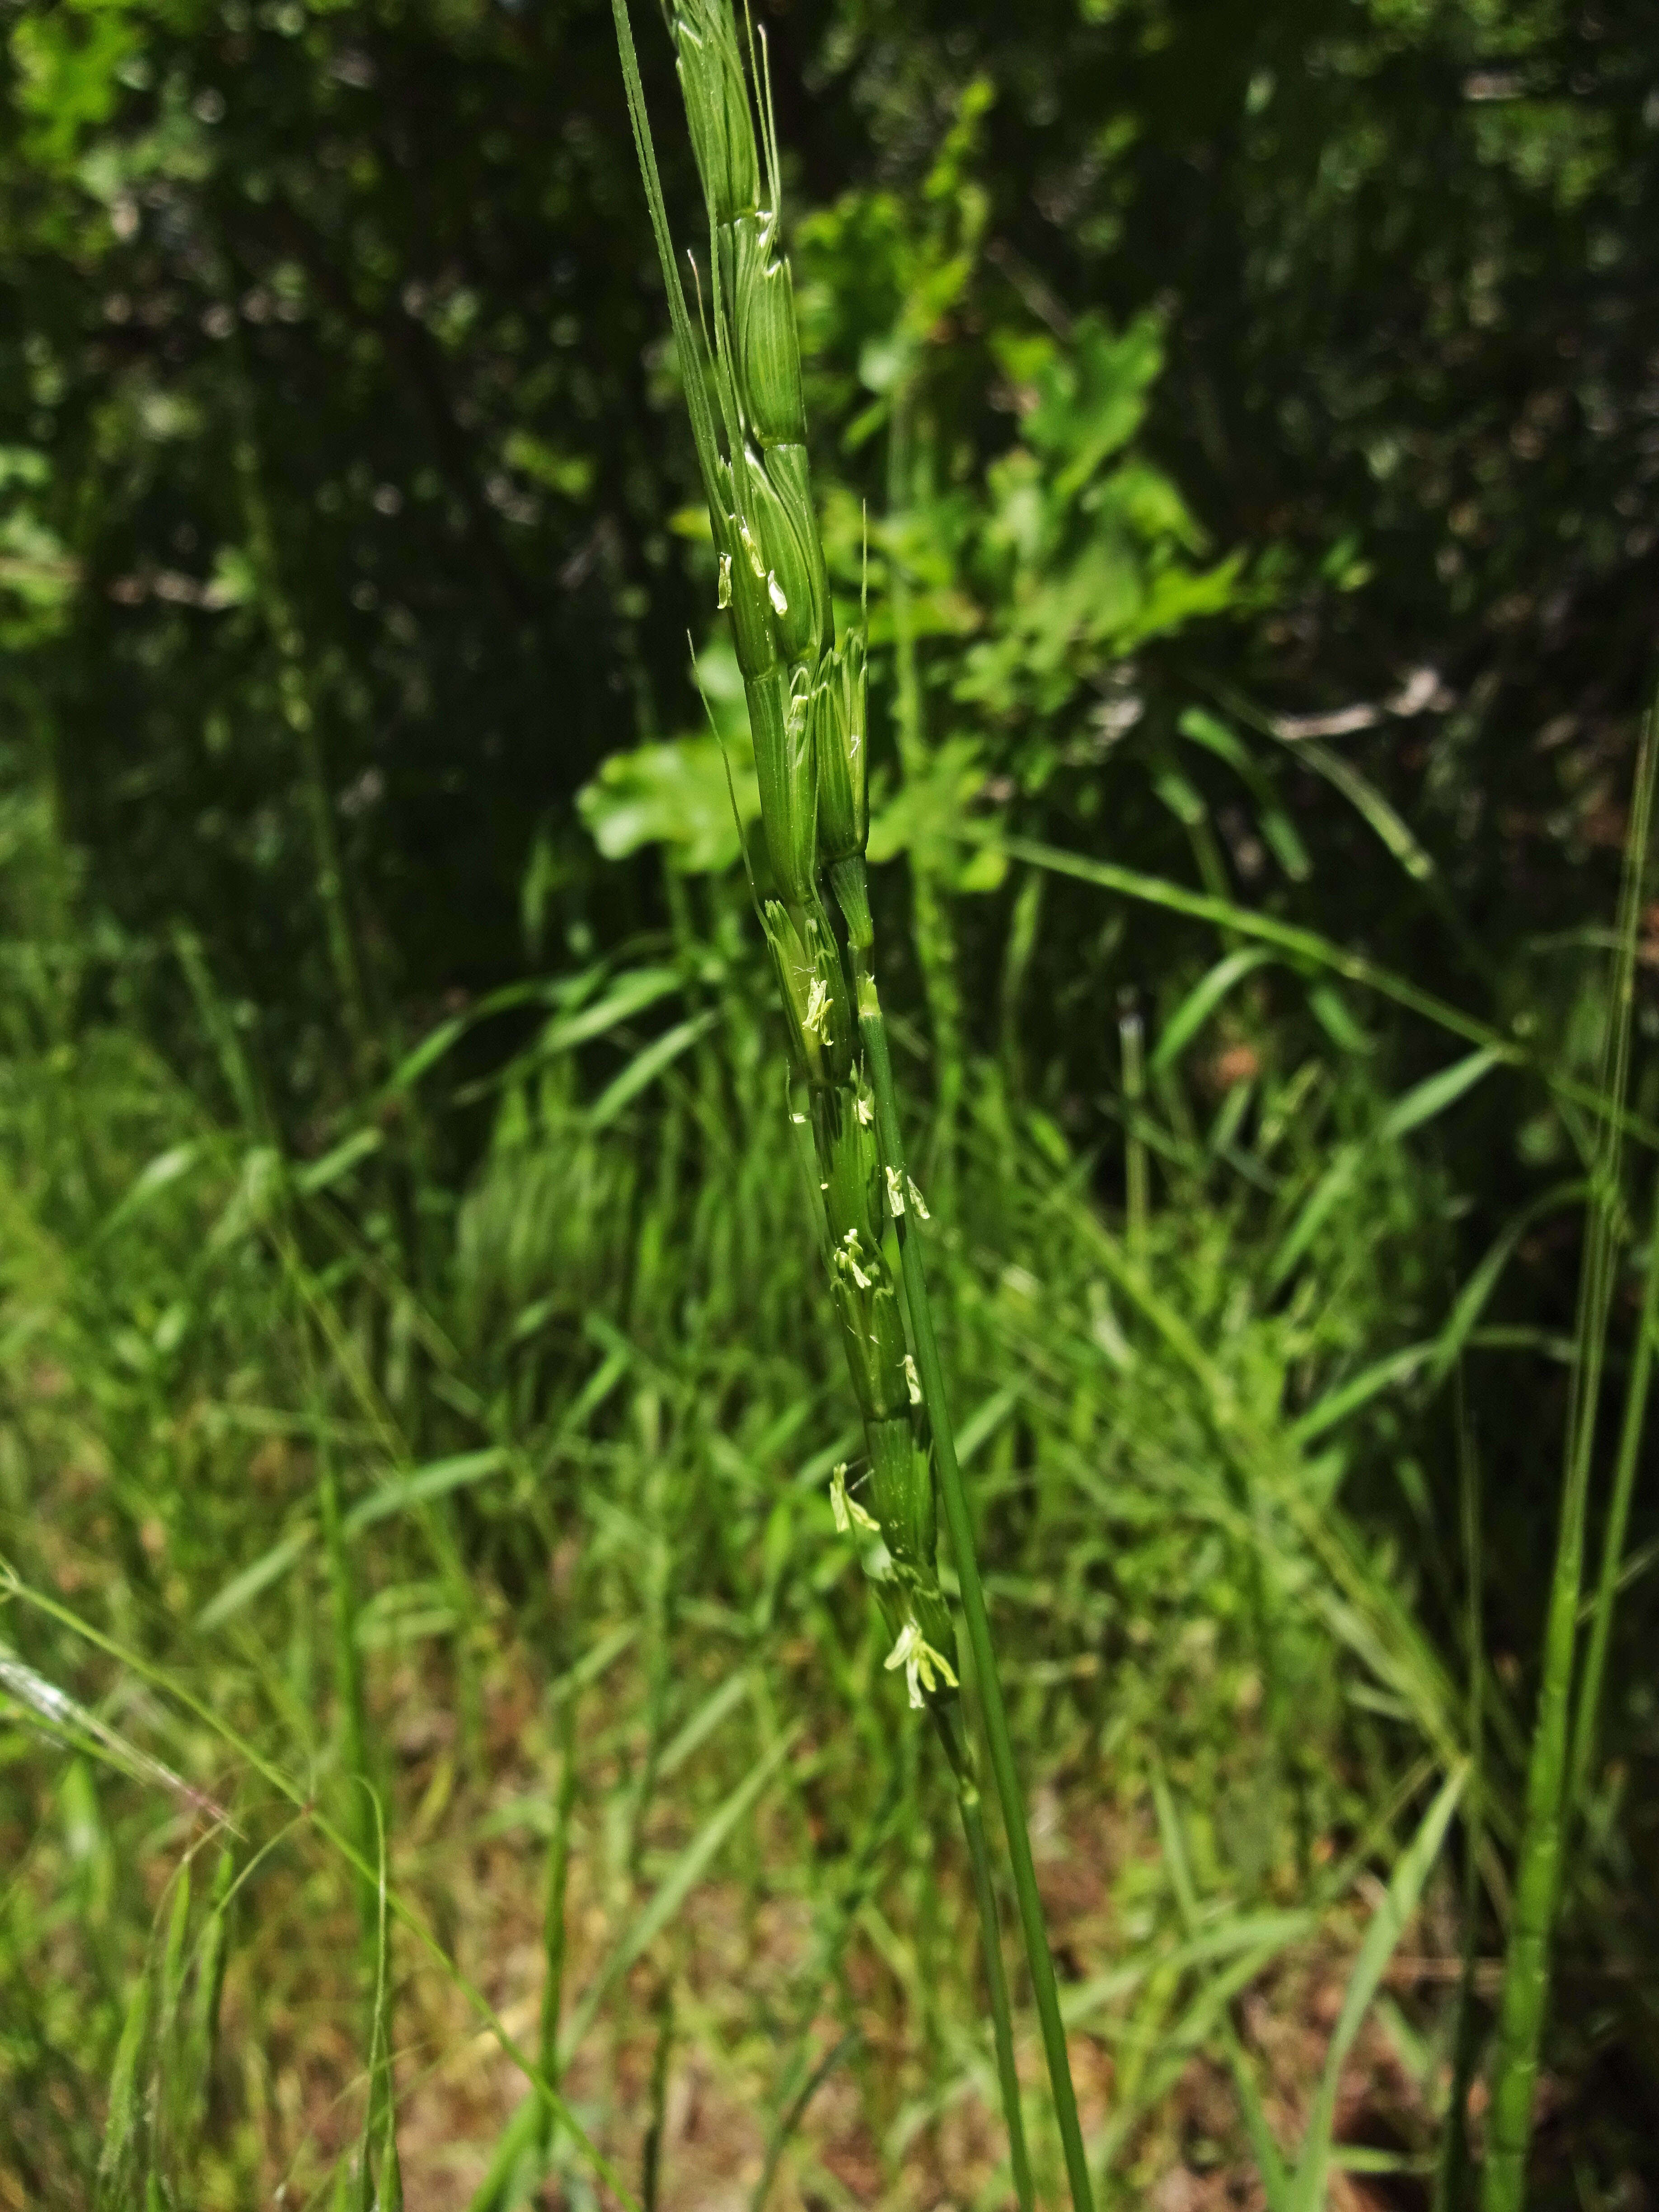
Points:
(734, 1960)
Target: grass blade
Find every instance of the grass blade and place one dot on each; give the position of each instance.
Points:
(1306, 946)
(1525, 1996)
(1201, 1001)
(125, 2129)
(979, 1858)
(1045, 1991)
(1586, 1720)
(13, 1585)
(1453, 2172)
(1270, 2165)
(682, 1878)
(1382, 1940)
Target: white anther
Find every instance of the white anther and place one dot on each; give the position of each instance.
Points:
(921, 1663)
(774, 592)
(895, 1193)
(849, 1513)
(913, 1379)
(724, 599)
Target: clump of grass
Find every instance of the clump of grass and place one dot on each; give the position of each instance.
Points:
(807, 690)
(1557, 1756)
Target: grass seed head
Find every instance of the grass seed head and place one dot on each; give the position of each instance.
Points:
(779, 532)
(846, 1151)
(814, 990)
(766, 348)
(902, 1494)
(794, 973)
(847, 1512)
(838, 706)
(785, 770)
(872, 1332)
(743, 587)
(717, 106)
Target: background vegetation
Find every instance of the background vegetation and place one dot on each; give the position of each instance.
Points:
(1245, 424)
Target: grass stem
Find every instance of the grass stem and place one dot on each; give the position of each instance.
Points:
(873, 1029)
(1137, 1189)
(955, 1740)
(1524, 2003)
(1587, 1719)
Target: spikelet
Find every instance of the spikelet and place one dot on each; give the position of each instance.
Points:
(766, 351)
(839, 717)
(846, 1142)
(813, 985)
(716, 97)
(807, 698)
(786, 772)
(778, 534)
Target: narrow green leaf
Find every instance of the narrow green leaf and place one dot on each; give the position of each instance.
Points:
(682, 1878)
(1382, 1940)
(336, 1163)
(1306, 945)
(1201, 1001)
(87, 1730)
(242, 1589)
(423, 1484)
(161, 1173)
(124, 2128)
(646, 1066)
(1436, 1092)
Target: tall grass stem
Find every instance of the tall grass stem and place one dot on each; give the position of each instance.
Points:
(1137, 1191)
(1586, 1720)
(1045, 1993)
(996, 1977)
(1524, 2002)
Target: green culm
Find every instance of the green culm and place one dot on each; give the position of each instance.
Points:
(806, 691)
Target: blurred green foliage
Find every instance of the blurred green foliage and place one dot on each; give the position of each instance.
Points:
(1360, 297)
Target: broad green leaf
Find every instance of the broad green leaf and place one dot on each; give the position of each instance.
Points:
(674, 795)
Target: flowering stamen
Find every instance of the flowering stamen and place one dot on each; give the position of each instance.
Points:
(849, 1513)
(920, 1662)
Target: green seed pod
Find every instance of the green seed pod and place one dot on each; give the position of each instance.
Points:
(762, 321)
(782, 733)
(717, 106)
(838, 707)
